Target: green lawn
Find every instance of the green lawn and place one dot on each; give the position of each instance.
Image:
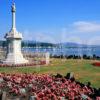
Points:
(82, 69)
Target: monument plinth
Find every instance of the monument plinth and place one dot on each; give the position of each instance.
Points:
(14, 38)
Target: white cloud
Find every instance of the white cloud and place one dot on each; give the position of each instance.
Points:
(78, 32)
(38, 36)
(83, 26)
(44, 38)
(83, 32)
(94, 41)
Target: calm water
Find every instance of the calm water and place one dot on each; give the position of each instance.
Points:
(66, 51)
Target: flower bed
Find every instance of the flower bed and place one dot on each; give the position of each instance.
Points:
(46, 87)
(23, 65)
(96, 64)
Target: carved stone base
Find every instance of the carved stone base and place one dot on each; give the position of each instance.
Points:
(15, 59)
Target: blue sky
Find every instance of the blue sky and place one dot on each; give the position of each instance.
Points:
(54, 20)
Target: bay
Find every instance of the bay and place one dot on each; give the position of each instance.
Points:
(66, 51)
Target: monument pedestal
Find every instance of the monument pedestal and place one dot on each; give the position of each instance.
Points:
(12, 59)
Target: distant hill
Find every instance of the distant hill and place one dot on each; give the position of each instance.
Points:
(75, 45)
(68, 44)
(30, 44)
(44, 44)
(37, 44)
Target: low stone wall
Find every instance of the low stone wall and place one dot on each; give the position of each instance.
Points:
(38, 56)
(2, 54)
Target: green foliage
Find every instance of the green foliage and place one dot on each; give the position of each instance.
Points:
(37, 44)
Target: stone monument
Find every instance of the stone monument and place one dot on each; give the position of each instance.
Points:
(14, 38)
(47, 58)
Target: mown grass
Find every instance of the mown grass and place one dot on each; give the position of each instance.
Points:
(83, 70)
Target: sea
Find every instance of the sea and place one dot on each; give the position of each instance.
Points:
(80, 51)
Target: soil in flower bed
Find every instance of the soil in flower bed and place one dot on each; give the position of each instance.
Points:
(22, 65)
(46, 87)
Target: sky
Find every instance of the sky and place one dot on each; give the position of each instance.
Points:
(53, 20)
